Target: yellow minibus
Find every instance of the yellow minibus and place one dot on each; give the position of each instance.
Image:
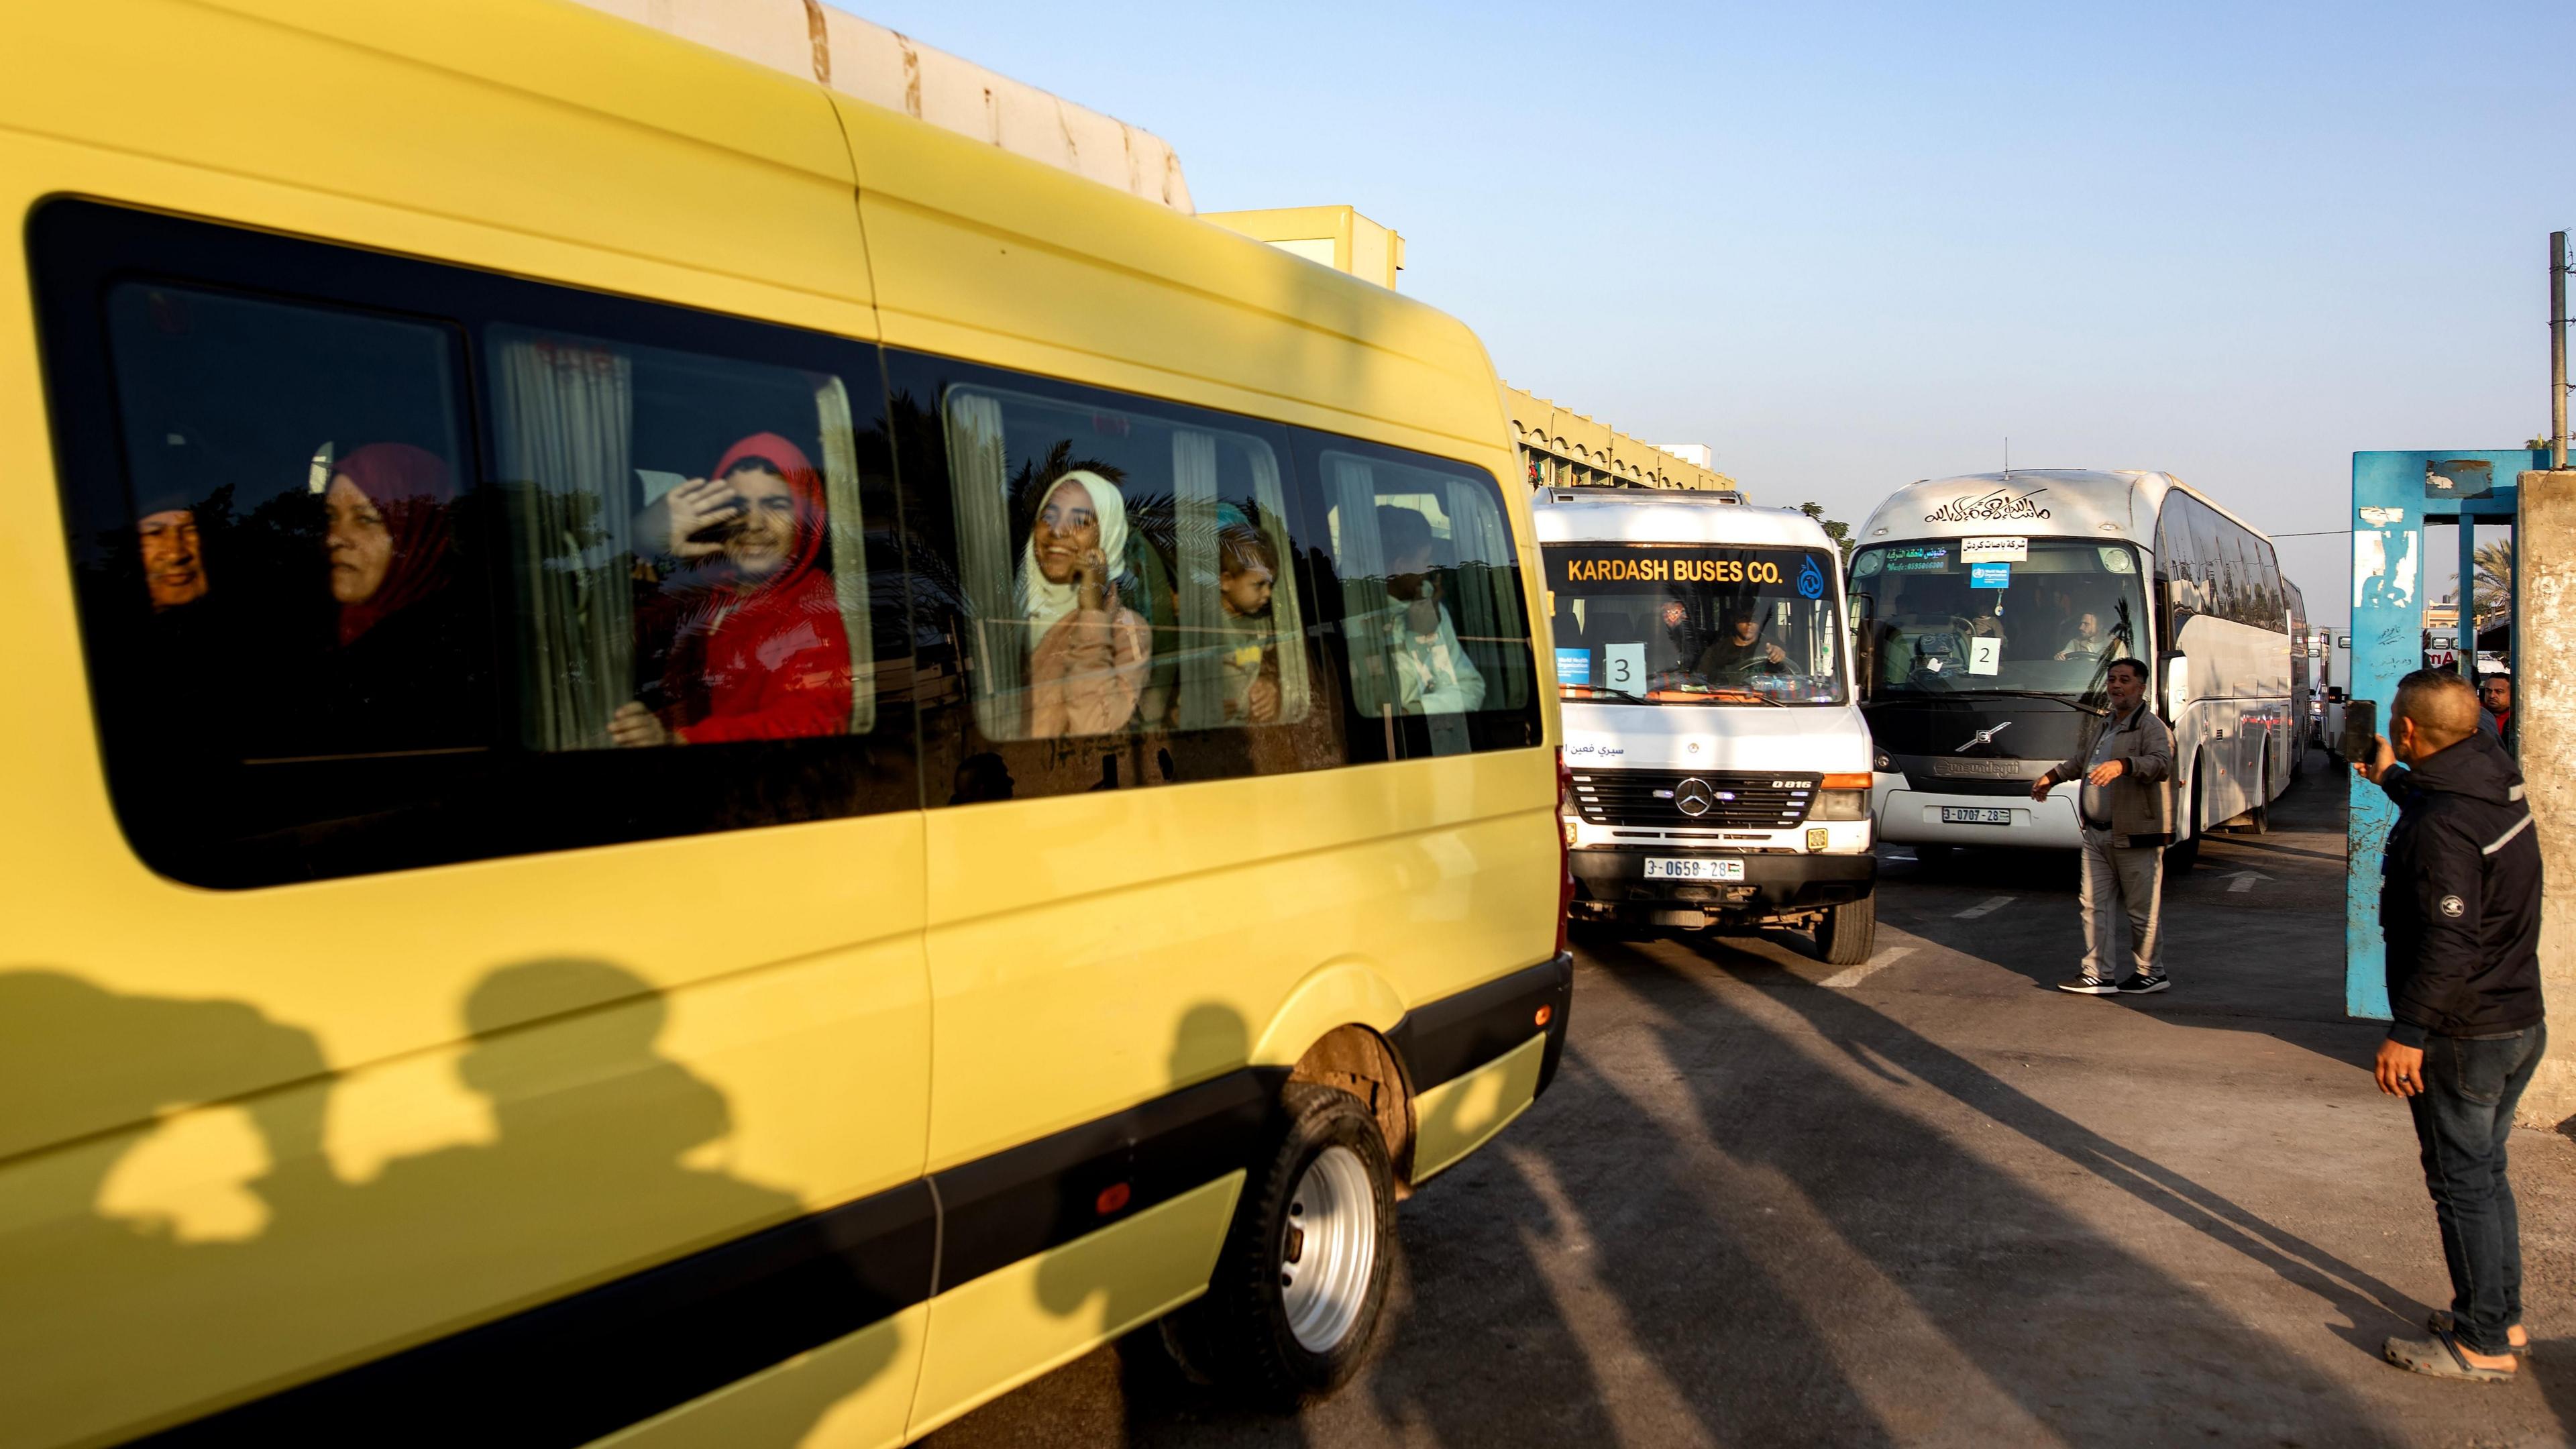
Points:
(695, 763)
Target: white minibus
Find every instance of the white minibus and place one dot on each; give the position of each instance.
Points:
(1718, 772)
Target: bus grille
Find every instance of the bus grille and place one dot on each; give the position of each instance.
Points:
(1739, 801)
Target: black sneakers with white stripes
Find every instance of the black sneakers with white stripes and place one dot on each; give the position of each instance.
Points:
(2090, 986)
(2138, 983)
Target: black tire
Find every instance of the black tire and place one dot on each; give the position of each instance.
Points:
(2258, 821)
(2182, 855)
(1239, 1335)
(1848, 933)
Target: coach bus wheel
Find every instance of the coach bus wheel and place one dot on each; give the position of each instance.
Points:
(1301, 1285)
(2258, 821)
(1848, 933)
(2182, 855)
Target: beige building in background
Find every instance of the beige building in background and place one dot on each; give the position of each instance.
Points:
(1337, 236)
(1566, 449)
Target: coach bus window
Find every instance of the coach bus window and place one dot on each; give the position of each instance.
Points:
(1431, 610)
(1944, 626)
(690, 557)
(1123, 573)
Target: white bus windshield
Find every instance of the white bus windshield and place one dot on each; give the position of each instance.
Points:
(2002, 615)
(1697, 624)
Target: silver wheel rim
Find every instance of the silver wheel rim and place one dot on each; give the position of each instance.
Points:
(1328, 1249)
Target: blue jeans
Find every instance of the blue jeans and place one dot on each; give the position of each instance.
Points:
(2462, 1119)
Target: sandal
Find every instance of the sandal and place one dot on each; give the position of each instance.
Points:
(2440, 1357)
(2440, 1322)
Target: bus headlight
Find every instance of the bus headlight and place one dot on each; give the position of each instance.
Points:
(1842, 797)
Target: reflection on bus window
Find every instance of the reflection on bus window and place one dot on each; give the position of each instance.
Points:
(2051, 620)
(1121, 571)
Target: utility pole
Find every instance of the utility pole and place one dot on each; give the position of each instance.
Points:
(2557, 350)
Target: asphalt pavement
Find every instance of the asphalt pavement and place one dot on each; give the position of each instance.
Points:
(1930, 1200)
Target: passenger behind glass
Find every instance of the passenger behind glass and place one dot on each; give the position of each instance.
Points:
(1740, 649)
(1249, 673)
(1433, 674)
(174, 566)
(2087, 641)
(1090, 653)
(402, 671)
(1679, 643)
(758, 651)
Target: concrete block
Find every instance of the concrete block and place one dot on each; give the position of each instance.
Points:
(2544, 699)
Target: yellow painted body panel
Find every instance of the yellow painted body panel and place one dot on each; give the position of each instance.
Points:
(537, 1074)
(1457, 1117)
(996, 1333)
(852, 1393)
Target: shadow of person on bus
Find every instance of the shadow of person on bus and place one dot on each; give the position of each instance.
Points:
(525, 1266)
(86, 1076)
(605, 1160)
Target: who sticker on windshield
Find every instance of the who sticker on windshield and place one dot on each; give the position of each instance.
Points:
(1574, 666)
(1990, 576)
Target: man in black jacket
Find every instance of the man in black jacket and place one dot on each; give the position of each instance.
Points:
(2459, 904)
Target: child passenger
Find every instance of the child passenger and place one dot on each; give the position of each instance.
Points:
(1249, 672)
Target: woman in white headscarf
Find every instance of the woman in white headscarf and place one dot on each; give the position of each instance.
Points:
(1089, 662)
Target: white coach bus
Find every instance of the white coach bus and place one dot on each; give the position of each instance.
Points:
(1986, 612)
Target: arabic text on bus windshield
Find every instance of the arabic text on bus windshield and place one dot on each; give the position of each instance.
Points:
(1694, 624)
(2012, 615)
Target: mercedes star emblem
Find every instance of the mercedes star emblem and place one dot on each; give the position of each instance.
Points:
(1982, 737)
(1693, 797)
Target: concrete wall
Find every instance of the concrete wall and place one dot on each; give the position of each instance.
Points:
(2544, 708)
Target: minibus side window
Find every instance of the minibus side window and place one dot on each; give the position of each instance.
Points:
(690, 552)
(1436, 636)
(1122, 579)
(382, 562)
(302, 575)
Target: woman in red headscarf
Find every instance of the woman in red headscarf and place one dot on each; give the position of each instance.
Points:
(761, 654)
(404, 671)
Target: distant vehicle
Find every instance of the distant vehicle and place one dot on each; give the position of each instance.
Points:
(1988, 610)
(1719, 772)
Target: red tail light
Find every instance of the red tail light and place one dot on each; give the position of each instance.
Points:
(1564, 849)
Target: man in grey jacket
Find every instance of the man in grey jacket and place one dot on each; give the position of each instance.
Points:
(2127, 816)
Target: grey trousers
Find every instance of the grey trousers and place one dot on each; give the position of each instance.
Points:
(2118, 877)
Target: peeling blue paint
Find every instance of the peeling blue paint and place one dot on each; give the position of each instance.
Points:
(2390, 579)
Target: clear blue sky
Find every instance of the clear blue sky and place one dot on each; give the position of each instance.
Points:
(1850, 246)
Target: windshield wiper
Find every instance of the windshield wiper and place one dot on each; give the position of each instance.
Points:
(1629, 695)
(2029, 694)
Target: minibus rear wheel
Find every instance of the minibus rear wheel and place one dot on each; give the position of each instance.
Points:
(1301, 1285)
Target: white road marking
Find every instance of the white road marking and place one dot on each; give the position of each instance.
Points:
(1862, 972)
(1988, 905)
(2244, 881)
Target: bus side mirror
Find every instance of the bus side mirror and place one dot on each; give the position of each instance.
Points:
(2177, 682)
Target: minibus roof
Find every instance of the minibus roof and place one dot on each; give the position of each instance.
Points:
(1655, 515)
